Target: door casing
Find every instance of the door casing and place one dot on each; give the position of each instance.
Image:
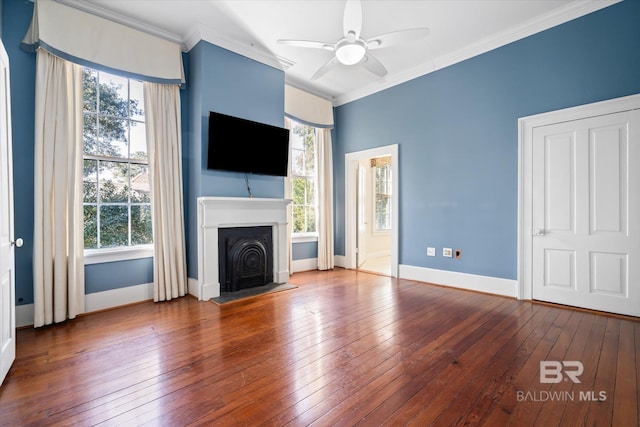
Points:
(350, 203)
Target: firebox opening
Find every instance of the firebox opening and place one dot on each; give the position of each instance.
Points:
(245, 257)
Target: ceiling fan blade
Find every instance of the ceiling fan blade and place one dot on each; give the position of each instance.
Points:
(372, 64)
(352, 21)
(323, 70)
(307, 43)
(397, 37)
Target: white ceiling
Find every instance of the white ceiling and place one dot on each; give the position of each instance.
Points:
(460, 29)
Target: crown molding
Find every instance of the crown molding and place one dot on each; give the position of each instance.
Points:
(251, 51)
(561, 15)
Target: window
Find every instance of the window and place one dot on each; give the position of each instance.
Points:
(382, 187)
(303, 179)
(116, 199)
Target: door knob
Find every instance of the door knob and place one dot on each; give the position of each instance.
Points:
(538, 232)
(18, 242)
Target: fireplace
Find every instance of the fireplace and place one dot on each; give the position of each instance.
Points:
(245, 257)
(217, 214)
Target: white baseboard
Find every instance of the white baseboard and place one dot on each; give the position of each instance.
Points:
(473, 282)
(116, 297)
(340, 261)
(96, 301)
(24, 315)
(306, 264)
(194, 287)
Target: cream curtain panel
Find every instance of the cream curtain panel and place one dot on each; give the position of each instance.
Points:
(325, 199)
(96, 42)
(162, 117)
(288, 195)
(58, 261)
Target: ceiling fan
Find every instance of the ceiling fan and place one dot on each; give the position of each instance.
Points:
(352, 49)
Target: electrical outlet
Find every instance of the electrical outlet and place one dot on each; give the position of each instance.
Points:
(447, 252)
(431, 251)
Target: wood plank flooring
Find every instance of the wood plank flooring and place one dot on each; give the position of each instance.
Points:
(345, 348)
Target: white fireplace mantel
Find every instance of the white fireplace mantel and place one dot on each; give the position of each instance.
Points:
(224, 212)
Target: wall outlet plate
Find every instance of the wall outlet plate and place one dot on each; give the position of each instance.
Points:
(447, 252)
(431, 251)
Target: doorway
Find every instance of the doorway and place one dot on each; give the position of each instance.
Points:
(580, 194)
(371, 210)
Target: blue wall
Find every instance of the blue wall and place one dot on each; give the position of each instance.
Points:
(458, 137)
(228, 83)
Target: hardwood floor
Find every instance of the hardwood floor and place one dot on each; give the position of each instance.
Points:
(345, 348)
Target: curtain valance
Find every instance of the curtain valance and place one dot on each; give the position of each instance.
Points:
(93, 41)
(307, 108)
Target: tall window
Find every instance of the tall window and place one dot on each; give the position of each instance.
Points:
(382, 198)
(117, 208)
(303, 179)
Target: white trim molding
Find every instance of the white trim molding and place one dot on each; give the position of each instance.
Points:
(96, 301)
(470, 282)
(307, 264)
(224, 212)
(350, 194)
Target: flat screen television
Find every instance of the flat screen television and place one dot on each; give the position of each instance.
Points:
(240, 145)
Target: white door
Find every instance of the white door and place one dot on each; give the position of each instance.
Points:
(7, 276)
(585, 213)
(361, 212)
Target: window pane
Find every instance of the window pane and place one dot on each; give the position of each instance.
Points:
(136, 103)
(113, 138)
(299, 219)
(310, 192)
(114, 95)
(89, 85)
(90, 181)
(297, 162)
(141, 231)
(311, 219)
(114, 226)
(90, 134)
(114, 182)
(138, 141)
(140, 189)
(90, 227)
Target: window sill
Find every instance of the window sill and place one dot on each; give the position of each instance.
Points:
(99, 256)
(304, 238)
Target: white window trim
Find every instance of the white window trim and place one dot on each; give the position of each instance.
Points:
(99, 256)
(304, 237)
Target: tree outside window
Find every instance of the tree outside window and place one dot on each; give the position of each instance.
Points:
(117, 204)
(303, 178)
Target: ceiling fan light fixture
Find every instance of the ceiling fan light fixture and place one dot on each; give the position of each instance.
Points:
(350, 53)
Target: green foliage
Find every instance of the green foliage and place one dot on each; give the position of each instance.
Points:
(111, 206)
(303, 181)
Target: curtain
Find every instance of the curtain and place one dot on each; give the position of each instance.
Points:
(58, 260)
(164, 147)
(288, 195)
(325, 199)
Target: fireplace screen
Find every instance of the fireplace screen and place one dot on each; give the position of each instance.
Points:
(245, 257)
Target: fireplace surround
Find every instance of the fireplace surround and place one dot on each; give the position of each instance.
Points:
(215, 213)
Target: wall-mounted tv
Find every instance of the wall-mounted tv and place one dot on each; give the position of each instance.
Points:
(240, 145)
